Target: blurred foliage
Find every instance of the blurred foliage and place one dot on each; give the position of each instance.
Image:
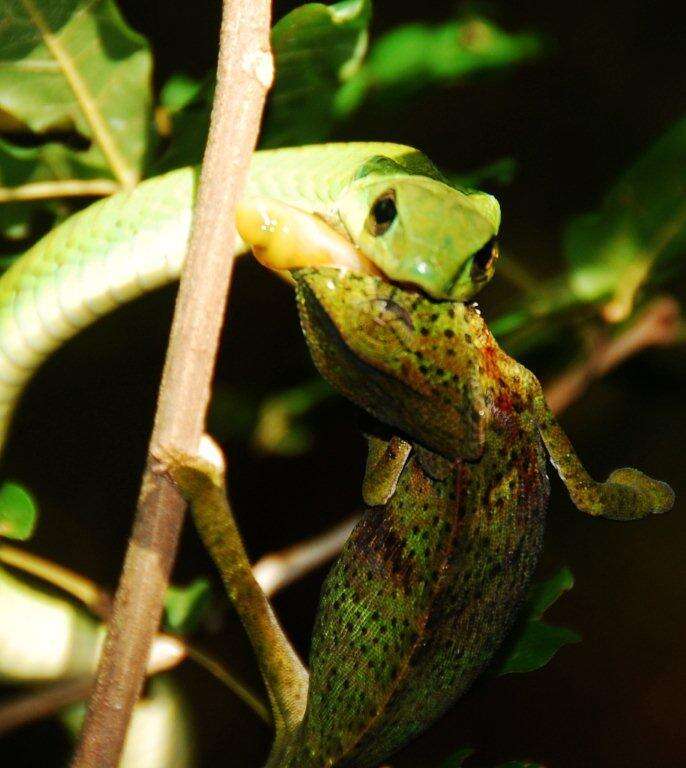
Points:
(161, 731)
(411, 57)
(18, 512)
(184, 607)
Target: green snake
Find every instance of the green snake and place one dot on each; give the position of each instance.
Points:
(133, 242)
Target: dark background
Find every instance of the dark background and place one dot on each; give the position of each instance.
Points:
(613, 82)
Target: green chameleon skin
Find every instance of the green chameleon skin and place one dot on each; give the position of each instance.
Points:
(431, 578)
(133, 242)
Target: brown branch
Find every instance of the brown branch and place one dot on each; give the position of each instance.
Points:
(657, 325)
(244, 74)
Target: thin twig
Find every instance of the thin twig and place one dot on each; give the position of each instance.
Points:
(48, 190)
(221, 673)
(277, 570)
(244, 74)
(94, 597)
(657, 325)
(39, 704)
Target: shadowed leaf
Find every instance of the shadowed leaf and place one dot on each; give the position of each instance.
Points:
(533, 643)
(641, 221)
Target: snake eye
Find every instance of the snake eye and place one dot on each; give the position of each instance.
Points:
(484, 258)
(383, 213)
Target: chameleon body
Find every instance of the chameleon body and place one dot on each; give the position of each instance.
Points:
(133, 242)
(431, 578)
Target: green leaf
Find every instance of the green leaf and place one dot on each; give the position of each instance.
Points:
(316, 48)
(640, 226)
(184, 606)
(179, 91)
(76, 65)
(410, 57)
(18, 512)
(533, 643)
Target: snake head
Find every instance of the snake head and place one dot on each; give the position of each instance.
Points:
(420, 231)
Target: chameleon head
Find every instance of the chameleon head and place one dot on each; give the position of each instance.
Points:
(420, 231)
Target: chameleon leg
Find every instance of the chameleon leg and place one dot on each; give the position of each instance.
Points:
(202, 480)
(385, 462)
(627, 494)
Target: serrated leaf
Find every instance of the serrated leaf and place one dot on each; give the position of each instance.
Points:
(640, 225)
(412, 56)
(533, 643)
(184, 606)
(18, 512)
(74, 64)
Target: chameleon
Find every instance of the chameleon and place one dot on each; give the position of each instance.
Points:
(385, 256)
(431, 579)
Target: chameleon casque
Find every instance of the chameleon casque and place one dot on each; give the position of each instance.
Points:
(384, 254)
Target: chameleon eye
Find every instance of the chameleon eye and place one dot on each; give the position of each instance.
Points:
(484, 258)
(382, 214)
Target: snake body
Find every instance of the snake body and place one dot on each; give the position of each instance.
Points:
(133, 242)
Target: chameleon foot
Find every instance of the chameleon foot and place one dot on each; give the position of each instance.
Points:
(629, 494)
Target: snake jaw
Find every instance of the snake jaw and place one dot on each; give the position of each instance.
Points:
(284, 238)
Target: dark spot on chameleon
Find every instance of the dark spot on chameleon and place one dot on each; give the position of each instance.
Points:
(440, 372)
(415, 529)
(423, 369)
(375, 616)
(449, 333)
(451, 312)
(419, 354)
(425, 507)
(364, 629)
(450, 351)
(424, 331)
(349, 626)
(468, 338)
(434, 317)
